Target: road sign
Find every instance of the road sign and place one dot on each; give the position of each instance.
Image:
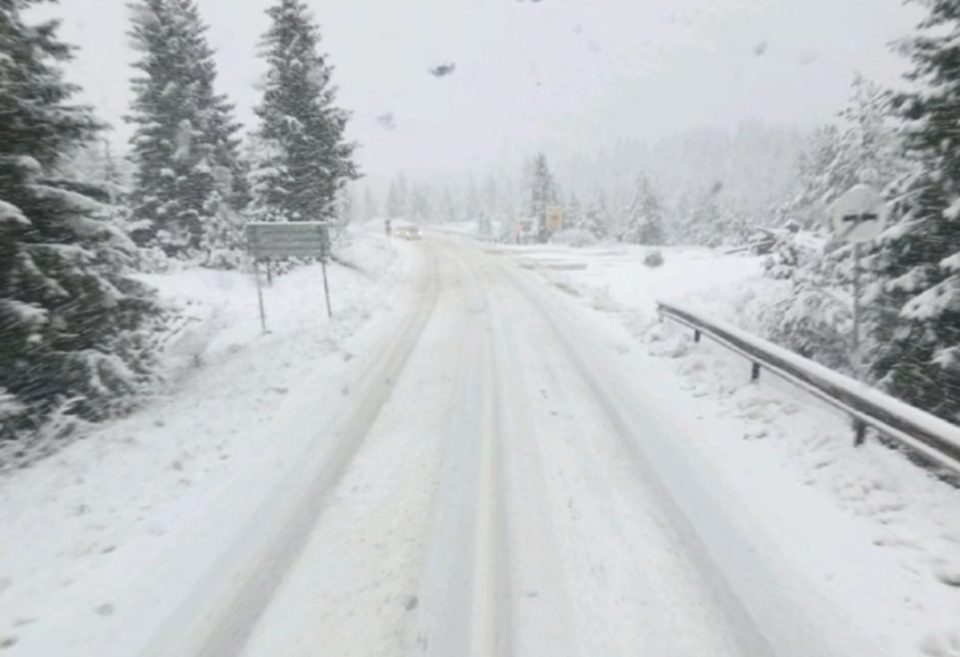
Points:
(554, 219)
(301, 239)
(860, 215)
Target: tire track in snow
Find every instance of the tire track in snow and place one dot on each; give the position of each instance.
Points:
(218, 619)
(465, 606)
(355, 589)
(541, 607)
(492, 584)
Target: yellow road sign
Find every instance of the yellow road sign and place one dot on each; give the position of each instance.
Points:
(554, 221)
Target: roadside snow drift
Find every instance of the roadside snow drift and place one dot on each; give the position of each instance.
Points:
(114, 529)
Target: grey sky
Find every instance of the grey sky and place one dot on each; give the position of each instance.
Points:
(558, 74)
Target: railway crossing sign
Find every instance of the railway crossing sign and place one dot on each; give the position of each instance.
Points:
(300, 239)
(860, 215)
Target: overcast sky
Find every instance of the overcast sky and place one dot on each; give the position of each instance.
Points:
(558, 75)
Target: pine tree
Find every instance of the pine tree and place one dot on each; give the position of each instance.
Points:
(305, 159)
(473, 206)
(919, 259)
(449, 208)
(397, 198)
(596, 219)
(815, 318)
(837, 156)
(491, 197)
(346, 207)
(644, 221)
(543, 193)
(573, 212)
(420, 207)
(189, 175)
(370, 207)
(70, 319)
(807, 206)
(93, 162)
(703, 225)
(485, 225)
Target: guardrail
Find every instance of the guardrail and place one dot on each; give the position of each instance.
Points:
(929, 436)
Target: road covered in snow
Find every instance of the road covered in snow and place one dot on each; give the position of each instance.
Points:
(472, 463)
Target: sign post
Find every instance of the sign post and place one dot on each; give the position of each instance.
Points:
(263, 315)
(323, 268)
(302, 239)
(859, 216)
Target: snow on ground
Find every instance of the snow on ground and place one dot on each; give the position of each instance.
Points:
(119, 531)
(116, 527)
(220, 308)
(835, 509)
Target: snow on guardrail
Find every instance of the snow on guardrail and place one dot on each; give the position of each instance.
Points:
(930, 436)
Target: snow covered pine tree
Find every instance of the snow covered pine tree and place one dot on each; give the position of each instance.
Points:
(596, 218)
(71, 344)
(543, 194)
(190, 179)
(594, 223)
(837, 155)
(815, 319)
(644, 221)
(304, 159)
(920, 258)
(398, 201)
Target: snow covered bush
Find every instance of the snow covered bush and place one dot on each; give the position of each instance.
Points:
(814, 316)
(653, 259)
(793, 250)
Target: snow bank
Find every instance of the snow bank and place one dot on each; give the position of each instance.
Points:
(114, 530)
(615, 278)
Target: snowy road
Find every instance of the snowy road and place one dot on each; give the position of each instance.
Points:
(498, 486)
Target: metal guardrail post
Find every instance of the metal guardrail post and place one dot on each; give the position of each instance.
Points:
(860, 432)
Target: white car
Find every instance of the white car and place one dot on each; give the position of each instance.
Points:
(407, 232)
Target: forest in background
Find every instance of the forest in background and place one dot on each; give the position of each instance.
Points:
(78, 219)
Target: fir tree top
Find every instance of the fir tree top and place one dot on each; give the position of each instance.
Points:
(38, 121)
(304, 159)
(185, 144)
